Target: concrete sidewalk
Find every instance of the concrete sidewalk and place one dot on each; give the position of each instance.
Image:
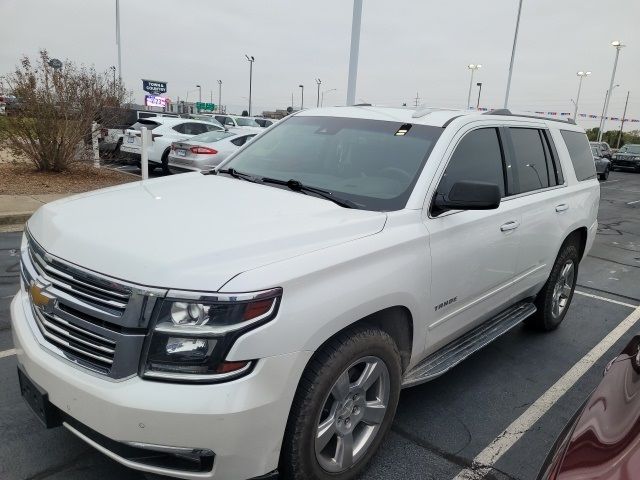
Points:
(16, 209)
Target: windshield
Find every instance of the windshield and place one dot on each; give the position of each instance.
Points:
(365, 161)
(635, 149)
(246, 122)
(211, 137)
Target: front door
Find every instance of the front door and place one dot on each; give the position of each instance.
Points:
(473, 252)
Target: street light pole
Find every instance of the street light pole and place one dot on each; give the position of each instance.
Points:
(250, 59)
(355, 50)
(199, 93)
(318, 82)
(118, 41)
(580, 74)
(618, 46)
(624, 117)
(473, 67)
(513, 56)
(479, 84)
(606, 96)
(219, 96)
(301, 97)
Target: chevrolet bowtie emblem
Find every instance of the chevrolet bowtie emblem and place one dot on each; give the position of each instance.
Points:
(40, 297)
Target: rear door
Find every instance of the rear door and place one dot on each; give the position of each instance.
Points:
(540, 197)
(473, 252)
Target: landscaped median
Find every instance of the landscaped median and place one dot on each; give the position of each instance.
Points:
(23, 189)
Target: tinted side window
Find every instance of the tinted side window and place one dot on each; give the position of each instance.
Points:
(239, 141)
(580, 154)
(530, 161)
(478, 158)
(179, 128)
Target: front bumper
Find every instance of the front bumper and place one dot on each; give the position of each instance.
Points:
(242, 421)
(625, 163)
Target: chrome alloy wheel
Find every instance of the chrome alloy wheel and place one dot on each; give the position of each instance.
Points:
(352, 414)
(562, 289)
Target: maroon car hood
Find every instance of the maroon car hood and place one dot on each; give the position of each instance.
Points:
(604, 443)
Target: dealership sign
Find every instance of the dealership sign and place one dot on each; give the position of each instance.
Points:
(155, 101)
(154, 87)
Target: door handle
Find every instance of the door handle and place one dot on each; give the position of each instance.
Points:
(563, 207)
(509, 226)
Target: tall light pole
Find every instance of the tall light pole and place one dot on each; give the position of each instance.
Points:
(355, 50)
(479, 84)
(199, 93)
(513, 56)
(624, 117)
(606, 96)
(118, 41)
(326, 91)
(250, 59)
(219, 96)
(318, 82)
(618, 46)
(301, 96)
(580, 74)
(473, 67)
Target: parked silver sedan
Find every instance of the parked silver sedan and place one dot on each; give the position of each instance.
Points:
(603, 166)
(206, 151)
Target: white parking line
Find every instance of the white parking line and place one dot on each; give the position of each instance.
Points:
(7, 353)
(610, 300)
(488, 457)
(635, 201)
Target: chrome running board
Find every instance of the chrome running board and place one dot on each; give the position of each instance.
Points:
(455, 352)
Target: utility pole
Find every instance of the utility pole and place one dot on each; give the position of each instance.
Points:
(219, 96)
(318, 82)
(355, 50)
(118, 41)
(301, 97)
(618, 46)
(417, 99)
(513, 56)
(479, 84)
(624, 116)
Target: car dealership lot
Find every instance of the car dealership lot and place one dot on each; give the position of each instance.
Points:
(441, 426)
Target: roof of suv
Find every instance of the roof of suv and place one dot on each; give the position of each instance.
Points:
(170, 121)
(437, 117)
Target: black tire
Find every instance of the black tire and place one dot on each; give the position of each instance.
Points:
(547, 317)
(604, 175)
(298, 458)
(165, 163)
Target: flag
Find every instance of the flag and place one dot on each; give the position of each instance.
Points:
(564, 114)
(593, 116)
(552, 113)
(583, 115)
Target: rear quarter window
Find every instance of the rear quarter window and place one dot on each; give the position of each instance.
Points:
(580, 153)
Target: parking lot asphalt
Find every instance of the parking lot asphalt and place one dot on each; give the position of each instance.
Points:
(441, 426)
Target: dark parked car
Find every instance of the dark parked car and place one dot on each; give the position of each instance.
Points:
(602, 164)
(603, 439)
(627, 157)
(604, 149)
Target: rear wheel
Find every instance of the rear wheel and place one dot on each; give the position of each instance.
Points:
(555, 297)
(344, 405)
(165, 163)
(604, 175)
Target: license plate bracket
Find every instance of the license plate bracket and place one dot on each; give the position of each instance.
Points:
(38, 400)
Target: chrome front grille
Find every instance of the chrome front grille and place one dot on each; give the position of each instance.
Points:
(92, 320)
(92, 350)
(112, 298)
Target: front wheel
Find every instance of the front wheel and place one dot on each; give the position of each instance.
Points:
(344, 405)
(555, 297)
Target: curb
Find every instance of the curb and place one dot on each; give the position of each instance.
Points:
(14, 218)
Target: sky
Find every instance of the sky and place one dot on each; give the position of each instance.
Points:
(407, 48)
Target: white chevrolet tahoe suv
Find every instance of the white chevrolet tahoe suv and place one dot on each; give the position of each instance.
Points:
(261, 320)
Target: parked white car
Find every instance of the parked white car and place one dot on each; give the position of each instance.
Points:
(205, 151)
(235, 122)
(165, 131)
(265, 318)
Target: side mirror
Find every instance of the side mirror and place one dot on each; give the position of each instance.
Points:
(468, 195)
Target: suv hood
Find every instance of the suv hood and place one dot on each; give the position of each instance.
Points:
(192, 231)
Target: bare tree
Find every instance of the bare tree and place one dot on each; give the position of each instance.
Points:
(56, 107)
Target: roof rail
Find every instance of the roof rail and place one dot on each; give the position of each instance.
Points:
(508, 113)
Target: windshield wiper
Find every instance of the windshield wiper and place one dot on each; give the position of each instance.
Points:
(236, 174)
(298, 186)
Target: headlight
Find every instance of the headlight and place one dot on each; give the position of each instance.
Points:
(194, 332)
